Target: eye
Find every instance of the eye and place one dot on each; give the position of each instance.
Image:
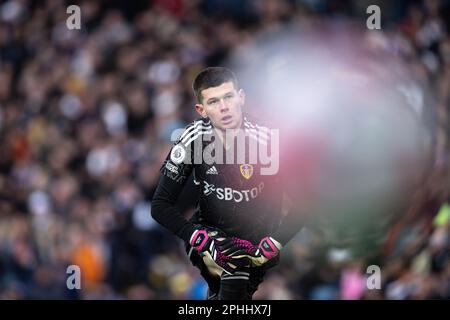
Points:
(229, 96)
(213, 102)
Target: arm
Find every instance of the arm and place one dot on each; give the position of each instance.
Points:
(165, 212)
(291, 224)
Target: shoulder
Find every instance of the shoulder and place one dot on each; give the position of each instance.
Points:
(194, 130)
(252, 122)
(257, 130)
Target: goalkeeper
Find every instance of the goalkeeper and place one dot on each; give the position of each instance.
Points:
(236, 233)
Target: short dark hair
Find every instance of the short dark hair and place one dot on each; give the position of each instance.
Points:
(212, 77)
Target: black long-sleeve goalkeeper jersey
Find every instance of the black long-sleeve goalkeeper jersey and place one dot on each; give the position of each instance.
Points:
(238, 197)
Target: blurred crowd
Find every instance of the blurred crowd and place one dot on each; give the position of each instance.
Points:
(86, 118)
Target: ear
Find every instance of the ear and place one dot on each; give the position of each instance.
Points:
(241, 93)
(201, 110)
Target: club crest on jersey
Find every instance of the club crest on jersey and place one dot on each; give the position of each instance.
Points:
(246, 170)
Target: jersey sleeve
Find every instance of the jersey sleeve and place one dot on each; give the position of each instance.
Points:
(175, 171)
(178, 164)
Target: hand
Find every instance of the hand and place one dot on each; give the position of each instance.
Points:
(207, 243)
(235, 247)
(201, 241)
(268, 249)
(238, 248)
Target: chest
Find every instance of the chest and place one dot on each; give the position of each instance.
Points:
(232, 175)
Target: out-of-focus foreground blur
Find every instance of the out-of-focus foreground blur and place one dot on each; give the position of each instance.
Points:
(86, 118)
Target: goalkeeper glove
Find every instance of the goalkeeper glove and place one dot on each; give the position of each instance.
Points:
(268, 248)
(200, 240)
(207, 243)
(237, 248)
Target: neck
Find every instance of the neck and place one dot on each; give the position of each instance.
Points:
(228, 133)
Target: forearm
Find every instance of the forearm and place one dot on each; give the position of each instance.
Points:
(289, 227)
(165, 212)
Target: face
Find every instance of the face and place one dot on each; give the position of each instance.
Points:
(222, 105)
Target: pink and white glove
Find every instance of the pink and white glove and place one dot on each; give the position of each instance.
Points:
(207, 243)
(237, 248)
(269, 247)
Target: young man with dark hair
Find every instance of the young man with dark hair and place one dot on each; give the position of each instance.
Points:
(234, 235)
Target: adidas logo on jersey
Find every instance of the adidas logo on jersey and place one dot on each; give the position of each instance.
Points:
(212, 170)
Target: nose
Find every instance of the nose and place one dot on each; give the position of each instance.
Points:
(223, 105)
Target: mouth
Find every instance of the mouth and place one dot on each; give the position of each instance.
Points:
(227, 119)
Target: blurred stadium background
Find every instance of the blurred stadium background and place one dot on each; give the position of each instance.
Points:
(86, 118)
